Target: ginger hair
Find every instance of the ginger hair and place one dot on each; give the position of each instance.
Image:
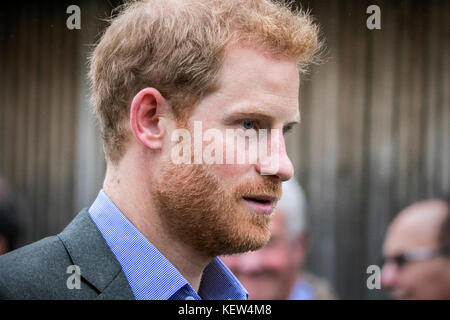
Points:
(178, 48)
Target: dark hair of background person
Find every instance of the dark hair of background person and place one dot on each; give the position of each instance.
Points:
(10, 225)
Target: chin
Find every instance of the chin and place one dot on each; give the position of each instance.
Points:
(243, 245)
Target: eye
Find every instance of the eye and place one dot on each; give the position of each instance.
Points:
(248, 124)
(287, 129)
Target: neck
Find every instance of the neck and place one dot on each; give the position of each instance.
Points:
(130, 192)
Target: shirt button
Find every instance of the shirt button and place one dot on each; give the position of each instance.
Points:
(189, 298)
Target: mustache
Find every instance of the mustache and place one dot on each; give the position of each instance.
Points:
(267, 187)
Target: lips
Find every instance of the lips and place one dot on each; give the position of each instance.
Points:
(260, 198)
(261, 203)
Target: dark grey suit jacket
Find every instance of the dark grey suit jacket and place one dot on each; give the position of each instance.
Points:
(39, 270)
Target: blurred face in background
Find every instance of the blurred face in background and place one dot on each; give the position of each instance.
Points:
(416, 231)
(270, 273)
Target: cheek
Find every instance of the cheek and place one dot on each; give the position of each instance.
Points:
(435, 272)
(406, 279)
(430, 281)
(229, 172)
(419, 276)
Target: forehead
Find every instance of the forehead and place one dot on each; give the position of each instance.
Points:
(248, 62)
(417, 226)
(254, 81)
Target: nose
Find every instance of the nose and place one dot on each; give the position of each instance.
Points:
(388, 275)
(278, 163)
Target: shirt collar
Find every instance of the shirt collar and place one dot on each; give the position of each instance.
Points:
(150, 275)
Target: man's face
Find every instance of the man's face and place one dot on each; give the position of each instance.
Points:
(416, 228)
(269, 273)
(226, 208)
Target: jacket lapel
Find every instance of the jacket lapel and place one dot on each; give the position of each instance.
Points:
(97, 263)
(116, 289)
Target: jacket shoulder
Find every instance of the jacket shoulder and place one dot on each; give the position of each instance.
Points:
(41, 270)
(53, 267)
(34, 271)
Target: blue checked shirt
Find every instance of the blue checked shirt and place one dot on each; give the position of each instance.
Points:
(150, 275)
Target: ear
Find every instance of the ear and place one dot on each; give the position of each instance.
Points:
(145, 117)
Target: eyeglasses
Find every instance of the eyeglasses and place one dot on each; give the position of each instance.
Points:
(417, 255)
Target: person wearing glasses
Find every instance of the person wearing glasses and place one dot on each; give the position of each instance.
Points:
(417, 252)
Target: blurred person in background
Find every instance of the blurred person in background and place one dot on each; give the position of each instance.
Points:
(417, 252)
(9, 218)
(276, 272)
